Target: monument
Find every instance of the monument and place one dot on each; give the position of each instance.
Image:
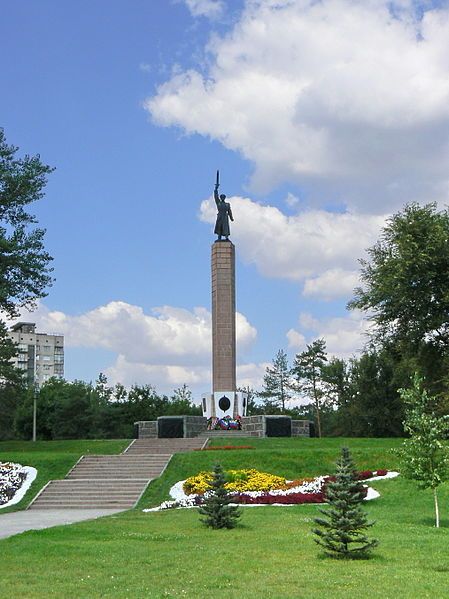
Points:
(224, 407)
(224, 400)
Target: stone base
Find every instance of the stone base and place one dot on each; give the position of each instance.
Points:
(254, 426)
(192, 427)
(257, 426)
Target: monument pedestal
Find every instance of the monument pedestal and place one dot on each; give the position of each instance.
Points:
(221, 404)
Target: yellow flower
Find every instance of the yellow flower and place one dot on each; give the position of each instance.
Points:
(238, 481)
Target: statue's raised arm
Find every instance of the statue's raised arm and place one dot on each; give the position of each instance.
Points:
(224, 213)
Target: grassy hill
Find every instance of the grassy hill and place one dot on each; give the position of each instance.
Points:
(271, 554)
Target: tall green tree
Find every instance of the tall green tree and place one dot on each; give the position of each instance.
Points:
(308, 371)
(12, 396)
(277, 381)
(425, 457)
(405, 289)
(376, 409)
(24, 262)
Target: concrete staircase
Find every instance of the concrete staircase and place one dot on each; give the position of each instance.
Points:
(143, 447)
(108, 482)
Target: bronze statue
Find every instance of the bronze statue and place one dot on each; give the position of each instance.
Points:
(224, 213)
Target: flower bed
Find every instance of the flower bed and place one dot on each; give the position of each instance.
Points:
(12, 477)
(243, 481)
(237, 481)
(225, 447)
(282, 492)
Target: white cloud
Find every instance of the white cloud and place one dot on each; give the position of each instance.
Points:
(310, 245)
(333, 283)
(291, 200)
(169, 346)
(345, 336)
(296, 340)
(251, 375)
(161, 376)
(344, 95)
(211, 9)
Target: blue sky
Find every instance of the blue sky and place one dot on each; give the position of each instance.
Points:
(323, 118)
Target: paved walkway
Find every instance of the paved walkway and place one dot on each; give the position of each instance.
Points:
(17, 522)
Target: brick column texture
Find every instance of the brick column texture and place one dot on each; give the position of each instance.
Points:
(223, 316)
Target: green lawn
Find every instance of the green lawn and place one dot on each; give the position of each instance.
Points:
(271, 554)
(52, 459)
(290, 457)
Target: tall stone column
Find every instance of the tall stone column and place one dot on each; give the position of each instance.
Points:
(224, 400)
(223, 317)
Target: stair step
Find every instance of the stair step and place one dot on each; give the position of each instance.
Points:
(107, 481)
(99, 505)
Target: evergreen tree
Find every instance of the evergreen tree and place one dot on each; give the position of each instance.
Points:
(308, 370)
(341, 531)
(276, 381)
(216, 509)
(425, 458)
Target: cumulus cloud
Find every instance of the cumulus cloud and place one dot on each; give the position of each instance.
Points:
(251, 375)
(347, 98)
(170, 346)
(296, 340)
(161, 376)
(345, 336)
(167, 334)
(333, 283)
(319, 247)
(211, 9)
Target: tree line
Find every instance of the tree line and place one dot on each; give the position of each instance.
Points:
(79, 410)
(351, 398)
(404, 293)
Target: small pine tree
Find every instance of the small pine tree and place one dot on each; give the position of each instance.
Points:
(216, 509)
(341, 533)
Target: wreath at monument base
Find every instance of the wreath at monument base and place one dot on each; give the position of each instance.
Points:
(227, 423)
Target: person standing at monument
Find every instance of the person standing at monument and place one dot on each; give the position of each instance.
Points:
(222, 228)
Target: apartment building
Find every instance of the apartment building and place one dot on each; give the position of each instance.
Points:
(40, 355)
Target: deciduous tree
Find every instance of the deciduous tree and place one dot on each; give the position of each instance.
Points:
(405, 290)
(24, 263)
(425, 457)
